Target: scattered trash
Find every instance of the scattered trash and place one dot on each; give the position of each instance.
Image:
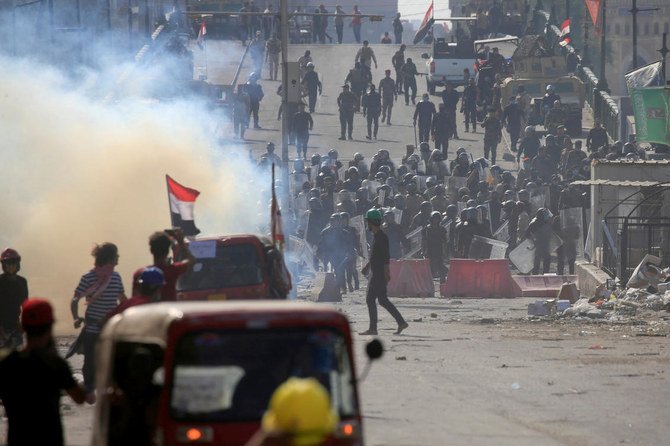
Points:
(596, 347)
(648, 273)
(516, 386)
(433, 315)
(401, 358)
(418, 320)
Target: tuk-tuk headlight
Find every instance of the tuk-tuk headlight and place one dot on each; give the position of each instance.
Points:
(195, 434)
(348, 429)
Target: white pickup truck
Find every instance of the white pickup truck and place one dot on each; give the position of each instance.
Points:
(449, 59)
(447, 62)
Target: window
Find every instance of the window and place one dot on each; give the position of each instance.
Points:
(617, 29)
(646, 29)
(230, 375)
(656, 29)
(626, 28)
(665, 27)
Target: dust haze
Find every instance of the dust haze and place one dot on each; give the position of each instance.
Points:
(77, 171)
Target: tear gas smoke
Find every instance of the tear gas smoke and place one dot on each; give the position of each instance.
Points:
(77, 172)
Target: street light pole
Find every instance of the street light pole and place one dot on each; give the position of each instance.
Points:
(585, 55)
(634, 10)
(283, 24)
(602, 80)
(664, 52)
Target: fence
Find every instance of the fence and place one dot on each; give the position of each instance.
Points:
(629, 239)
(601, 103)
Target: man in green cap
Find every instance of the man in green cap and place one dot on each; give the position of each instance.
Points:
(380, 274)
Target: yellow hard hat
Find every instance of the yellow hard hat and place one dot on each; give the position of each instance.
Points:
(301, 408)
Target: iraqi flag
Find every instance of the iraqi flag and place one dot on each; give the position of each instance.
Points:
(565, 33)
(201, 34)
(426, 24)
(182, 201)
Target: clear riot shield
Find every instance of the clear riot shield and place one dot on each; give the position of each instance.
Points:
(453, 186)
(461, 206)
(295, 182)
(444, 168)
(398, 214)
(301, 253)
(573, 233)
(421, 167)
(537, 201)
(381, 196)
(523, 256)
(358, 223)
(344, 196)
(414, 238)
(421, 182)
(502, 233)
(301, 202)
(487, 248)
(373, 186)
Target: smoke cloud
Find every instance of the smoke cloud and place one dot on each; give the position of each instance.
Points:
(77, 171)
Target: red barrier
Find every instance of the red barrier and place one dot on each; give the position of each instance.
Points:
(479, 278)
(542, 285)
(411, 278)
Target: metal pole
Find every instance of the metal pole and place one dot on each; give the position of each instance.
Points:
(664, 52)
(283, 23)
(585, 56)
(51, 20)
(602, 80)
(634, 11)
(567, 9)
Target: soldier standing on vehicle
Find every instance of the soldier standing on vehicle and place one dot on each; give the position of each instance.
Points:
(511, 119)
(492, 135)
(13, 292)
(255, 92)
(424, 115)
(549, 98)
(469, 105)
(408, 74)
(313, 85)
(346, 102)
(372, 105)
(31, 381)
(256, 51)
(339, 23)
(554, 118)
(450, 99)
(387, 89)
(398, 61)
(272, 51)
(301, 125)
(441, 130)
(380, 274)
(397, 29)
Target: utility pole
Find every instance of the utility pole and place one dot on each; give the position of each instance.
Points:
(602, 81)
(664, 52)
(585, 55)
(634, 10)
(283, 24)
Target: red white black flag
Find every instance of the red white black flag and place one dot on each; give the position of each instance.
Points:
(201, 33)
(182, 201)
(565, 33)
(426, 24)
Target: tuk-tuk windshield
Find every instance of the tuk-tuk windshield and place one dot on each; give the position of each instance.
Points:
(226, 376)
(222, 266)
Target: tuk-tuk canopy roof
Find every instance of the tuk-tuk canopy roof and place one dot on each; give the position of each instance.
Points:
(150, 323)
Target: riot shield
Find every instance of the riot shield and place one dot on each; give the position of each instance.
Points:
(295, 182)
(486, 248)
(301, 253)
(414, 238)
(573, 233)
(373, 186)
(421, 182)
(502, 233)
(381, 196)
(537, 201)
(358, 223)
(398, 214)
(453, 186)
(300, 203)
(523, 256)
(343, 196)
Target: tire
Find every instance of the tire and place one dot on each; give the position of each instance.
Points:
(431, 87)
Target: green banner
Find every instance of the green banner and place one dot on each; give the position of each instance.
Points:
(651, 106)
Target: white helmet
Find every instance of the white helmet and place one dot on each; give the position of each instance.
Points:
(550, 87)
(309, 65)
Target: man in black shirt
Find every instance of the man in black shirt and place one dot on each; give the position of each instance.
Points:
(380, 275)
(31, 380)
(372, 107)
(424, 115)
(301, 125)
(13, 291)
(450, 100)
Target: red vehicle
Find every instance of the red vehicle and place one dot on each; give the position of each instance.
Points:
(235, 267)
(203, 372)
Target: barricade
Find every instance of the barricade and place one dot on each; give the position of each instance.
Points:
(542, 285)
(411, 278)
(490, 278)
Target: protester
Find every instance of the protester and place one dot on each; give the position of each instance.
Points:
(102, 289)
(339, 23)
(257, 52)
(272, 52)
(356, 23)
(159, 244)
(386, 39)
(397, 29)
(255, 92)
(32, 379)
(13, 292)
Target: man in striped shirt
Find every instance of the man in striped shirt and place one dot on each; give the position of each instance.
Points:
(103, 290)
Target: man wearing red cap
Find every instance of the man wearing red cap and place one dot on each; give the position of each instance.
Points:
(31, 381)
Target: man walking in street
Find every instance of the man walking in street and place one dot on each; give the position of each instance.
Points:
(424, 115)
(339, 23)
(301, 125)
(31, 381)
(256, 50)
(379, 275)
(387, 89)
(512, 118)
(469, 105)
(255, 92)
(441, 130)
(272, 51)
(372, 105)
(366, 56)
(397, 29)
(492, 135)
(313, 85)
(450, 99)
(346, 102)
(408, 74)
(398, 61)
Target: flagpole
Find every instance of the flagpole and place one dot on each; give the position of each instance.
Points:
(167, 189)
(273, 211)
